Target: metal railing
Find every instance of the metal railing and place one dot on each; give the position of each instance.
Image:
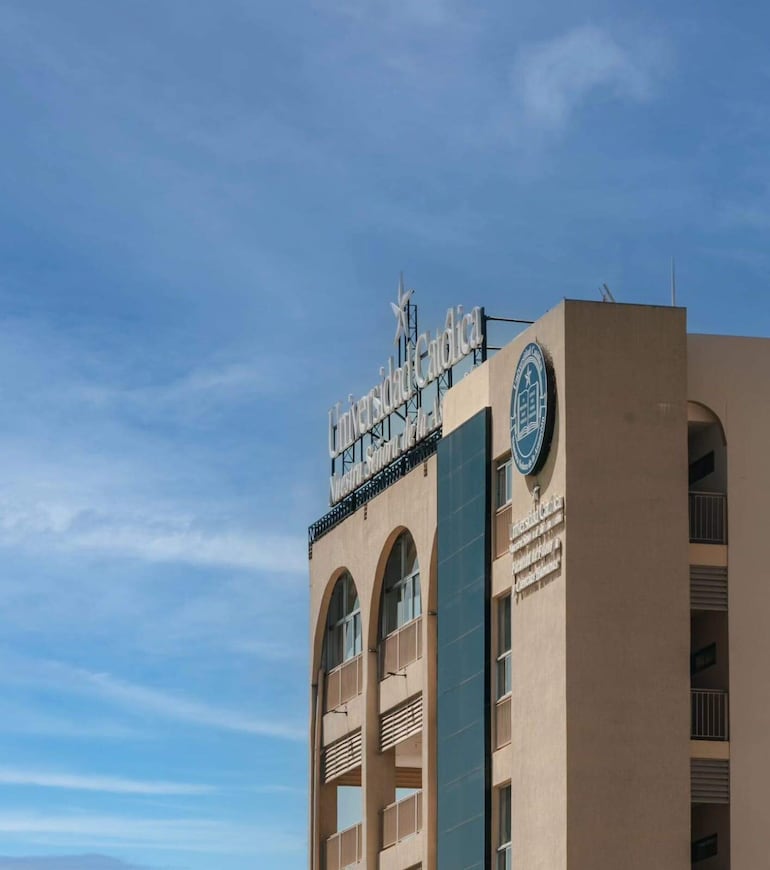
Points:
(344, 682)
(401, 820)
(344, 849)
(401, 647)
(420, 453)
(710, 714)
(708, 518)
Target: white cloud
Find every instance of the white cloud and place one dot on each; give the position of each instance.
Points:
(152, 534)
(88, 782)
(65, 862)
(552, 79)
(190, 834)
(135, 698)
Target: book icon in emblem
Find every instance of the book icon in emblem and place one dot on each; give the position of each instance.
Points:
(528, 413)
(531, 410)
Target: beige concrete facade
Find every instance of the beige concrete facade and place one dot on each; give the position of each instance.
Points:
(606, 736)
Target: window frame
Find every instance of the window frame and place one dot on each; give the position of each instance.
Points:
(340, 628)
(504, 473)
(504, 827)
(503, 659)
(404, 594)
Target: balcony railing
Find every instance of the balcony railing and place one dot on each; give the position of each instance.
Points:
(400, 648)
(710, 717)
(344, 849)
(708, 518)
(401, 820)
(344, 682)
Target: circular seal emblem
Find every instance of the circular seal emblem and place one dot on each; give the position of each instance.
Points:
(531, 410)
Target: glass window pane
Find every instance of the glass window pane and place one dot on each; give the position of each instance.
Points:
(334, 647)
(417, 609)
(350, 639)
(505, 816)
(503, 676)
(500, 487)
(351, 603)
(504, 625)
(357, 634)
(335, 605)
(391, 611)
(410, 555)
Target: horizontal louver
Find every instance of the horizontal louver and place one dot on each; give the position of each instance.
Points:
(396, 725)
(708, 588)
(710, 781)
(342, 756)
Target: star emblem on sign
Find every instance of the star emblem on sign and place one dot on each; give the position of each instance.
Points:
(401, 310)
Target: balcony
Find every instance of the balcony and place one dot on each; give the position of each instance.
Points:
(710, 714)
(401, 647)
(401, 820)
(344, 849)
(708, 518)
(344, 682)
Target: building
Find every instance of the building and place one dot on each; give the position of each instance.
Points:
(539, 620)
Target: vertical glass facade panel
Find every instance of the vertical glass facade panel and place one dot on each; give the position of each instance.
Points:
(463, 753)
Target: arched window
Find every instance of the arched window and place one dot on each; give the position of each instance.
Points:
(401, 586)
(343, 624)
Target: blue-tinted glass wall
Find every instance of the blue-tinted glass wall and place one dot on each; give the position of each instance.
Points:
(463, 734)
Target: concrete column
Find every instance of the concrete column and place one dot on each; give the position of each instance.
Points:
(379, 768)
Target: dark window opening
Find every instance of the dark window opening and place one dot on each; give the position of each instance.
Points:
(707, 847)
(702, 468)
(703, 658)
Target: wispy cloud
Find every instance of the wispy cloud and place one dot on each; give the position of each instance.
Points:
(89, 782)
(136, 698)
(189, 834)
(65, 862)
(552, 79)
(55, 521)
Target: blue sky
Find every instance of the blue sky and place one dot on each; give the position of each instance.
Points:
(204, 211)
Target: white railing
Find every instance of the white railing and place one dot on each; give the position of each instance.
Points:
(710, 714)
(344, 682)
(401, 820)
(708, 518)
(344, 849)
(401, 647)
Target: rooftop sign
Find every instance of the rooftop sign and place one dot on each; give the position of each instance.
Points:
(361, 436)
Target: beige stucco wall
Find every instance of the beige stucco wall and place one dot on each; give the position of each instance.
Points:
(361, 543)
(538, 749)
(628, 611)
(731, 376)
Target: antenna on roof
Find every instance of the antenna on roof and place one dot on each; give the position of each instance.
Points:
(606, 293)
(673, 282)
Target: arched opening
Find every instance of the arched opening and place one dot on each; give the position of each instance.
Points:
(401, 595)
(343, 623)
(707, 471)
(342, 644)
